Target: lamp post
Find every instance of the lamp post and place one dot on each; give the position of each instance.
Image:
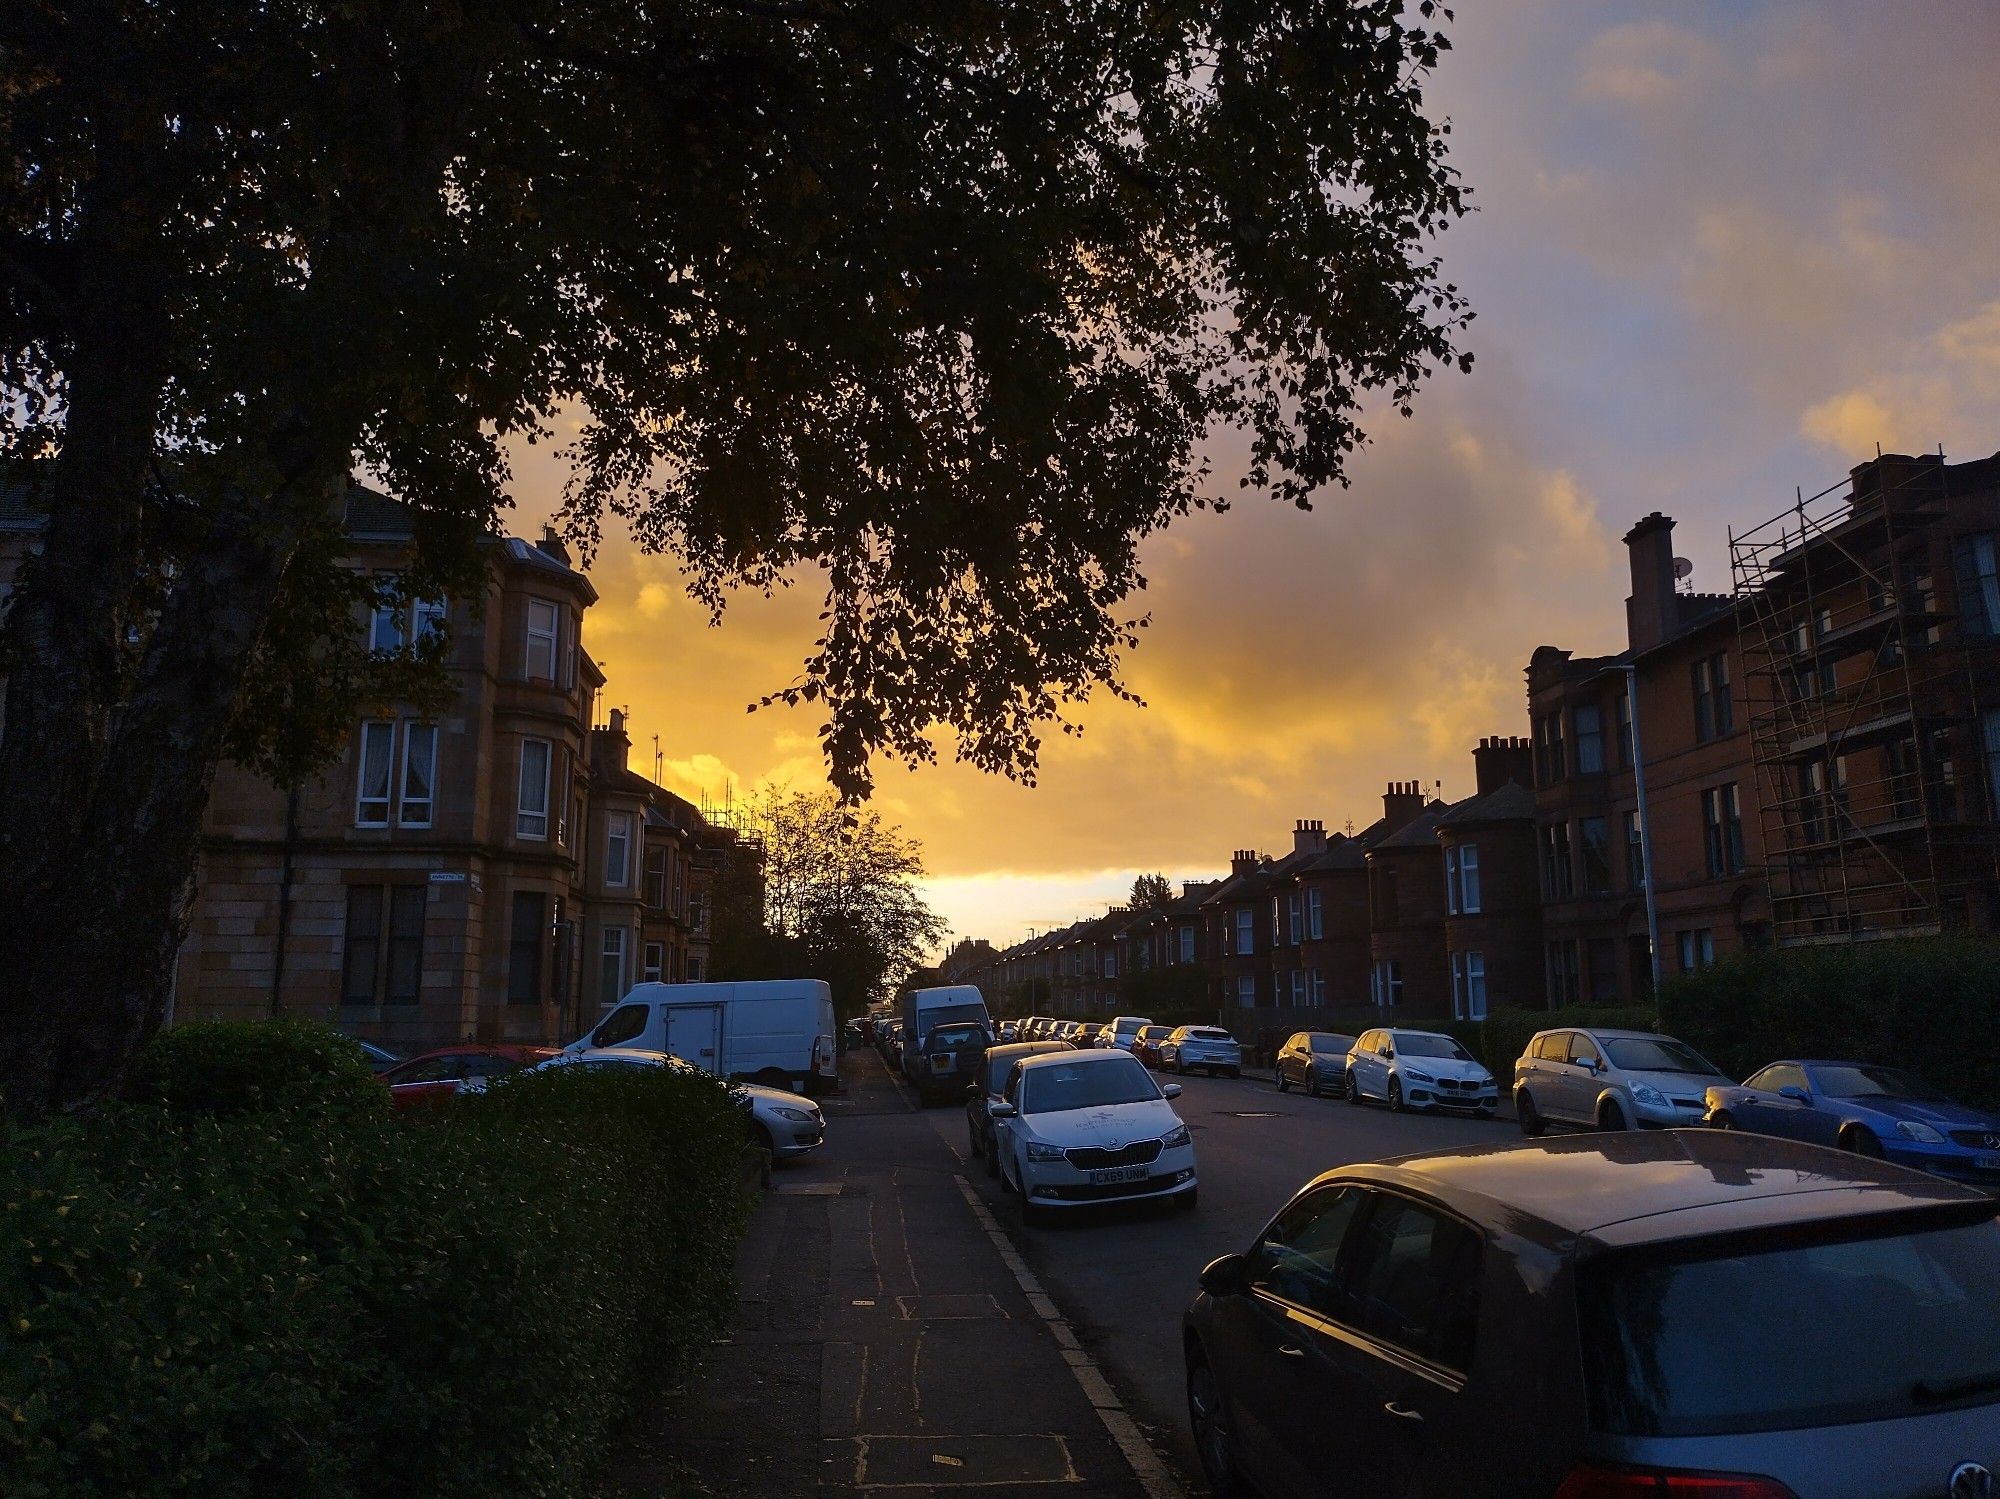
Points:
(1645, 827)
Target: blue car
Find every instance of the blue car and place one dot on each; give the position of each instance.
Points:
(1867, 1109)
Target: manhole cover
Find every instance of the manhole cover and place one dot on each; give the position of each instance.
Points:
(1254, 1114)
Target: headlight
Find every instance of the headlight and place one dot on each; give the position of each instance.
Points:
(1176, 1138)
(1652, 1097)
(1923, 1134)
(800, 1115)
(1040, 1152)
(1418, 1077)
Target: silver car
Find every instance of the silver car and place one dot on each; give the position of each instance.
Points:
(1208, 1048)
(1604, 1079)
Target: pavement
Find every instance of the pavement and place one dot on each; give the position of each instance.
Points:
(889, 1340)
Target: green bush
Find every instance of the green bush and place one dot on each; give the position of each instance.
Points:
(227, 1067)
(1471, 1034)
(324, 1304)
(1505, 1033)
(1929, 1007)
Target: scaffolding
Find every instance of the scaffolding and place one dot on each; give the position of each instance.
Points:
(1852, 697)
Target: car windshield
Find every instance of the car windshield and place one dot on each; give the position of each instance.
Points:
(1431, 1046)
(1208, 1033)
(1869, 1082)
(1337, 1044)
(952, 1015)
(1656, 1054)
(1127, 1027)
(1056, 1086)
(1869, 1329)
(945, 1036)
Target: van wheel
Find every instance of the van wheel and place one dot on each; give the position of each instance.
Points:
(774, 1077)
(1532, 1123)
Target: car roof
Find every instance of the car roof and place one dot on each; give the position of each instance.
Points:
(1613, 1034)
(1634, 1187)
(1093, 1058)
(1014, 1049)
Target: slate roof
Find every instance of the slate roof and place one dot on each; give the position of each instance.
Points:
(1420, 831)
(1511, 802)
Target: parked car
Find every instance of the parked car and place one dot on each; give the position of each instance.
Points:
(1598, 1318)
(940, 1066)
(1611, 1080)
(1208, 1047)
(1867, 1109)
(439, 1076)
(379, 1058)
(1010, 1030)
(1419, 1070)
(1072, 1031)
(1090, 1127)
(785, 1123)
(1122, 1031)
(1146, 1045)
(989, 1086)
(1315, 1061)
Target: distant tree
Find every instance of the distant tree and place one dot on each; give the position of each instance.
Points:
(1150, 892)
(933, 301)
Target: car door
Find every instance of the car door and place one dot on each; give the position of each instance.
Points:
(1288, 1061)
(1289, 1407)
(1580, 1073)
(1772, 1113)
(1360, 1064)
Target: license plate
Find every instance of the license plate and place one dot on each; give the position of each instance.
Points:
(1987, 1162)
(1117, 1174)
(942, 1064)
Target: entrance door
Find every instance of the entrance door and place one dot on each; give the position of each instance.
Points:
(694, 1034)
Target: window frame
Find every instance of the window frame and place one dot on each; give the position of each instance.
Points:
(412, 727)
(617, 850)
(362, 800)
(1591, 763)
(653, 962)
(534, 635)
(605, 957)
(523, 812)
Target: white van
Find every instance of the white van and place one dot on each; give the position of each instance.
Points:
(924, 1010)
(779, 1032)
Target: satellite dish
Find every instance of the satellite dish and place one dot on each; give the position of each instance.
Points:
(1683, 569)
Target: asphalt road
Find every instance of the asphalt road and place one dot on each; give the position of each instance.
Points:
(1125, 1274)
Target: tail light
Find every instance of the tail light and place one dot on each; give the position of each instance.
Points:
(1593, 1482)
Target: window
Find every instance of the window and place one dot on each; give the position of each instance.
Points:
(1110, 963)
(694, 969)
(1624, 728)
(1318, 987)
(1246, 991)
(1246, 930)
(1468, 879)
(524, 947)
(1714, 714)
(617, 850)
(1973, 558)
(385, 626)
(420, 744)
(1778, 1075)
(532, 820)
(1553, 1046)
(1635, 851)
(544, 626)
(1549, 757)
(1298, 986)
(1989, 739)
(1722, 829)
(626, 1023)
(1413, 1280)
(656, 962)
(1468, 985)
(406, 943)
(1296, 915)
(1298, 1258)
(1603, 971)
(1697, 949)
(655, 890)
(1187, 944)
(1451, 880)
(1589, 722)
(612, 988)
(1564, 983)
(378, 756)
(1593, 837)
(1583, 1051)
(1385, 982)
(1558, 878)
(1315, 915)
(362, 946)
(431, 615)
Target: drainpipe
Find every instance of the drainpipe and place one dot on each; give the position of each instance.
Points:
(284, 902)
(1645, 827)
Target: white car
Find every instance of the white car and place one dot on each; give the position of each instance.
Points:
(784, 1123)
(1208, 1047)
(1084, 1127)
(1419, 1070)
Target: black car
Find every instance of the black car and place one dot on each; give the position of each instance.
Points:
(1681, 1312)
(987, 1086)
(948, 1057)
(1315, 1061)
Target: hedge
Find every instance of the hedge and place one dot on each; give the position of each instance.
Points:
(1504, 1034)
(1928, 1007)
(310, 1302)
(225, 1067)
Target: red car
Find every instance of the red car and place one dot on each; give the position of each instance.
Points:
(438, 1076)
(1146, 1044)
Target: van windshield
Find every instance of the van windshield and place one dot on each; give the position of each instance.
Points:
(1869, 1329)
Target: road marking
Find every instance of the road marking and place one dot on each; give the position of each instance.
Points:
(1139, 1454)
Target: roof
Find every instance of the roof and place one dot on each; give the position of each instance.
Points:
(1510, 802)
(1645, 1186)
(1420, 831)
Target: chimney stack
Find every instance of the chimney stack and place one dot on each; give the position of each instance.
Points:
(552, 545)
(1401, 804)
(1243, 861)
(613, 744)
(1500, 760)
(1308, 836)
(1652, 611)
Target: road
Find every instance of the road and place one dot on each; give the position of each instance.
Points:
(1125, 1274)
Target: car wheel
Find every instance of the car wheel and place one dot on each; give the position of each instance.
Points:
(1610, 1117)
(1723, 1120)
(1233, 1072)
(764, 1139)
(1312, 1083)
(1211, 1433)
(1285, 1083)
(1395, 1095)
(1354, 1091)
(1532, 1122)
(1861, 1142)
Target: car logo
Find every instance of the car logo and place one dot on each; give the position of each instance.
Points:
(1991, 1142)
(1972, 1481)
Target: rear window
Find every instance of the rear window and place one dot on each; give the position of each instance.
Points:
(1799, 1335)
(1208, 1033)
(944, 1036)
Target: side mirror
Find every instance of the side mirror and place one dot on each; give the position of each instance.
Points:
(1228, 1276)
(1795, 1093)
(1388, 1053)
(1172, 1090)
(1002, 1110)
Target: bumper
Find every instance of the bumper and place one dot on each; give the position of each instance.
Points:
(1057, 1183)
(1954, 1162)
(789, 1139)
(1208, 1056)
(1429, 1096)
(1668, 1116)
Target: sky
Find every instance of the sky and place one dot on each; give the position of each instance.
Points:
(1721, 252)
